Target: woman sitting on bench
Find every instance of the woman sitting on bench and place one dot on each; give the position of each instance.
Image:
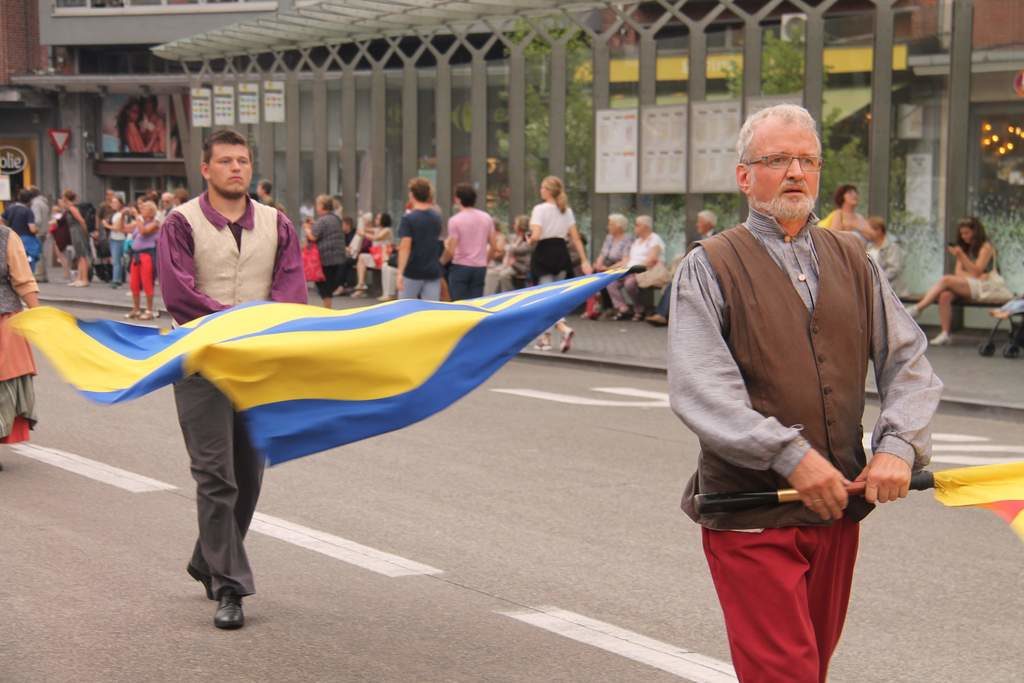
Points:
(975, 279)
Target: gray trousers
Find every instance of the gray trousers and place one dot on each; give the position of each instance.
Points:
(228, 473)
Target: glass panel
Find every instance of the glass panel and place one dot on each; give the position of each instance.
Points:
(497, 200)
(847, 105)
(724, 68)
(538, 100)
(579, 130)
(996, 180)
(427, 149)
(918, 144)
(782, 57)
(395, 195)
(462, 124)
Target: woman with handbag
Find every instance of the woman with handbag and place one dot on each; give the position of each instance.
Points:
(648, 250)
(976, 278)
(328, 239)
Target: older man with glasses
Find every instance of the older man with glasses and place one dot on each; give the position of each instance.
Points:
(773, 323)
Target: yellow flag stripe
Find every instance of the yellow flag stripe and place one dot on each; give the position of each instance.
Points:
(980, 485)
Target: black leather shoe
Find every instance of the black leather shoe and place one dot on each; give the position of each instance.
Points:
(203, 579)
(229, 611)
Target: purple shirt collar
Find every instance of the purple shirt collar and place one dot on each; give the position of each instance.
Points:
(247, 221)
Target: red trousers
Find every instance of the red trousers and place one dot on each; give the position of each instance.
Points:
(142, 274)
(784, 594)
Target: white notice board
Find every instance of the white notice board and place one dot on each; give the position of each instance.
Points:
(248, 102)
(616, 151)
(663, 149)
(273, 101)
(715, 128)
(223, 105)
(5, 188)
(202, 107)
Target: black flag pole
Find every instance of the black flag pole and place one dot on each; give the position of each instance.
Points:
(713, 503)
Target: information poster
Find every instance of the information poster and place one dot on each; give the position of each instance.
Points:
(273, 101)
(248, 102)
(223, 105)
(616, 151)
(202, 107)
(5, 188)
(663, 149)
(715, 128)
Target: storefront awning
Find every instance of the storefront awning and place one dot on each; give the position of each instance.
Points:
(330, 22)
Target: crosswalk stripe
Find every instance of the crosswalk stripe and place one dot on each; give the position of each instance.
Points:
(108, 474)
(339, 548)
(686, 664)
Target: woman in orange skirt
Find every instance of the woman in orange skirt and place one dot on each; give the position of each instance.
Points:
(17, 398)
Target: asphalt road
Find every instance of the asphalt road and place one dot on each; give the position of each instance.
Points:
(536, 516)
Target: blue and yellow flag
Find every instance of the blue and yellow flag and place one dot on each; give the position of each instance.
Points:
(308, 378)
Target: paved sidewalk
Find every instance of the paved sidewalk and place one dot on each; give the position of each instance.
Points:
(970, 380)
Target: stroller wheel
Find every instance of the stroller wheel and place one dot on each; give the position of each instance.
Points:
(1011, 351)
(987, 349)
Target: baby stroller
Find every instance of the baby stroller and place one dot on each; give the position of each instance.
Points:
(1015, 340)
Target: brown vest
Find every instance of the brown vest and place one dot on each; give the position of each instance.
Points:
(799, 367)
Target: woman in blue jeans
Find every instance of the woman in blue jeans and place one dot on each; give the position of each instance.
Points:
(114, 225)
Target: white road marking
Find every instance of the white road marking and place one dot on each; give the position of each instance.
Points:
(958, 438)
(978, 448)
(122, 479)
(958, 459)
(636, 393)
(582, 400)
(675, 660)
(339, 548)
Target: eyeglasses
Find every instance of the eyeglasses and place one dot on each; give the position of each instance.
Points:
(780, 162)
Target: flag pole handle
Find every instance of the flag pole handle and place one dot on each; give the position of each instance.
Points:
(715, 503)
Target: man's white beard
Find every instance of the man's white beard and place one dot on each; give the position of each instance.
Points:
(782, 209)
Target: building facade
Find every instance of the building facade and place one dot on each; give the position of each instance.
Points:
(921, 102)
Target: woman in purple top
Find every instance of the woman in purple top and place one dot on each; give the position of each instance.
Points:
(143, 258)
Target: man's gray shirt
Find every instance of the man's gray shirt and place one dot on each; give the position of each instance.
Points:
(707, 391)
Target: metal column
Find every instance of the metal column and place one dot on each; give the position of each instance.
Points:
(349, 170)
(959, 120)
(319, 133)
(517, 130)
(599, 203)
(881, 111)
(696, 91)
(478, 125)
(410, 120)
(293, 186)
(378, 140)
(443, 133)
(556, 120)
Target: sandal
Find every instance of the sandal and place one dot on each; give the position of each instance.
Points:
(567, 341)
(622, 315)
(146, 315)
(132, 315)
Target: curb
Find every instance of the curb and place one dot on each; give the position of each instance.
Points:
(953, 404)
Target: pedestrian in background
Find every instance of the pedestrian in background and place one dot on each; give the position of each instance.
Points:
(218, 250)
(41, 212)
(79, 235)
(144, 241)
(329, 238)
(419, 235)
(114, 226)
(20, 218)
(471, 236)
(17, 367)
(552, 229)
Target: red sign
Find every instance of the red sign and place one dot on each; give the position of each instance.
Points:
(60, 138)
(1018, 83)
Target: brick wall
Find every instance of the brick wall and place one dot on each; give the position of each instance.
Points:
(998, 24)
(20, 51)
